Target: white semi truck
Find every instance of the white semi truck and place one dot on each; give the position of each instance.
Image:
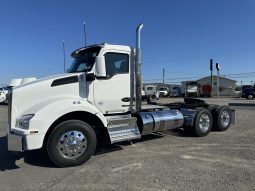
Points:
(98, 100)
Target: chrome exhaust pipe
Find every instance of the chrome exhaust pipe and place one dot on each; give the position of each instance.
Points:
(138, 69)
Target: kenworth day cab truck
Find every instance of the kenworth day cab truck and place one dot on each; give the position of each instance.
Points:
(98, 100)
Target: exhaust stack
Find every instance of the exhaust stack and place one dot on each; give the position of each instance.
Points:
(138, 69)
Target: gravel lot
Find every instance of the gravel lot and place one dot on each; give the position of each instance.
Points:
(171, 160)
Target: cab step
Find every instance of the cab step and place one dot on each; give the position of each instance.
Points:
(122, 128)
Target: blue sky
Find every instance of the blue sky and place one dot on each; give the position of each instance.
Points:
(178, 35)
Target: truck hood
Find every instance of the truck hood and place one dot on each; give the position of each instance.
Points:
(28, 98)
(49, 78)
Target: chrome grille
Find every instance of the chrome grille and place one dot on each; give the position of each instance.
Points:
(9, 97)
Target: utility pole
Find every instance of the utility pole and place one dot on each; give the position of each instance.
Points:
(163, 75)
(64, 53)
(218, 79)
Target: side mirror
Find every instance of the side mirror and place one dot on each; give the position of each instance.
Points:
(100, 66)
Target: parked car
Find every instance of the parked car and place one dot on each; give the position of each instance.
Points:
(174, 93)
(248, 93)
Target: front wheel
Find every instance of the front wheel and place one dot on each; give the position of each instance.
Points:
(71, 143)
(203, 123)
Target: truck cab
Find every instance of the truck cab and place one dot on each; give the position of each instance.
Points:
(164, 92)
(96, 90)
(81, 89)
(105, 92)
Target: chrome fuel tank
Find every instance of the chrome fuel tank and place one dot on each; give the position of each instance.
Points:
(149, 122)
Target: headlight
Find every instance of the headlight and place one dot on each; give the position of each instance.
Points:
(23, 122)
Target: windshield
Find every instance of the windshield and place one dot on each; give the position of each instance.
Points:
(84, 60)
(163, 89)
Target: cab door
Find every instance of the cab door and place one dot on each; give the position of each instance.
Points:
(112, 94)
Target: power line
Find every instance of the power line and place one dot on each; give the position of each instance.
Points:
(240, 73)
(177, 72)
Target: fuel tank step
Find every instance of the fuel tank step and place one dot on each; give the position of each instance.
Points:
(122, 128)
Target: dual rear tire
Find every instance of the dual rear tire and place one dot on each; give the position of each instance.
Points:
(222, 118)
(216, 117)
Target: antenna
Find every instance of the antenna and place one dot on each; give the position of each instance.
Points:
(64, 53)
(85, 40)
(85, 36)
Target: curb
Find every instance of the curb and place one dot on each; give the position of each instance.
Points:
(242, 104)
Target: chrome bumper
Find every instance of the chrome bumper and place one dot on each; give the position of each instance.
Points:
(14, 142)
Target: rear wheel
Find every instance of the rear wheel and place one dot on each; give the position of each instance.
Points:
(250, 96)
(71, 143)
(203, 123)
(222, 118)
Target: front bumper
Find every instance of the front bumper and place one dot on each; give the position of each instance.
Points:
(18, 142)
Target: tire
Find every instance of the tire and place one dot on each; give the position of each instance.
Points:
(203, 122)
(71, 143)
(250, 96)
(222, 118)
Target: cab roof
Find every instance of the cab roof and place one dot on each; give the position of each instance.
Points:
(103, 45)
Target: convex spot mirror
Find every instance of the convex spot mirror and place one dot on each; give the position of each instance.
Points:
(100, 66)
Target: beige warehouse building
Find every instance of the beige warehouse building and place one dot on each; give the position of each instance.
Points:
(226, 85)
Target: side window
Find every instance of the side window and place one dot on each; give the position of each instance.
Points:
(81, 67)
(116, 63)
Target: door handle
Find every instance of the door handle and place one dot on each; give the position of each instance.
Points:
(126, 99)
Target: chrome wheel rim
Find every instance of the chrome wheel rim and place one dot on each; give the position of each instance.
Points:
(250, 96)
(225, 118)
(204, 122)
(72, 144)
